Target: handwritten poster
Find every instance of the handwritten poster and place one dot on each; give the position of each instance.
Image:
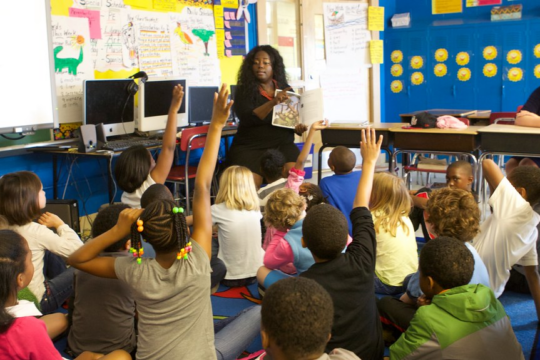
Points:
(446, 6)
(346, 33)
(97, 4)
(72, 65)
(154, 42)
(345, 95)
(376, 18)
(194, 50)
(93, 17)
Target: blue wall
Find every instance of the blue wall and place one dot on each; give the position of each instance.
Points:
(470, 31)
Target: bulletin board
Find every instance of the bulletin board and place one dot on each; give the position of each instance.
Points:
(200, 41)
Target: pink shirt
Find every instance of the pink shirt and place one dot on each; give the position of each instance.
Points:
(27, 339)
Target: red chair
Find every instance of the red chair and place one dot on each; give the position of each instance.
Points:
(191, 139)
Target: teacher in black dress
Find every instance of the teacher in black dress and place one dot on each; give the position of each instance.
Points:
(262, 72)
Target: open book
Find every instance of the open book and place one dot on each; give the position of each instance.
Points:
(299, 109)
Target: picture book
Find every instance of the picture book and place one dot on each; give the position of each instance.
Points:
(299, 109)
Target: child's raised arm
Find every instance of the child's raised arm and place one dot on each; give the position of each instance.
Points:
(492, 174)
(202, 217)
(166, 156)
(370, 149)
(316, 126)
(86, 257)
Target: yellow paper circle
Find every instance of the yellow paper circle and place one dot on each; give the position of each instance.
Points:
(464, 74)
(396, 86)
(462, 58)
(537, 71)
(537, 51)
(441, 55)
(396, 70)
(490, 70)
(514, 57)
(490, 52)
(515, 74)
(417, 78)
(396, 56)
(440, 70)
(417, 62)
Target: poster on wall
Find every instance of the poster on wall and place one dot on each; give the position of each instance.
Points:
(473, 3)
(346, 35)
(194, 48)
(72, 64)
(439, 7)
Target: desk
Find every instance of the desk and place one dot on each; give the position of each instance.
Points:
(350, 136)
(436, 141)
(108, 155)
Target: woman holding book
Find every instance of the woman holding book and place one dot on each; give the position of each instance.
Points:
(261, 74)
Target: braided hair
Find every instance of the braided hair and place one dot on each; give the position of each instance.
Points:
(166, 230)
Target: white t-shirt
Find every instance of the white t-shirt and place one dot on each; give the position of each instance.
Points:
(397, 256)
(39, 239)
(508, 236)
(239, 236)
(134, 199)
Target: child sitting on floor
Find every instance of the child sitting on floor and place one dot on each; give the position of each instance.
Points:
(296, 318)
(25, 337)
(312, 193)
(112, 323)
(451, 213)
(397, 253)
(508, 236)
(349, 277)
(463, 321)
(237, 217)
(337, 188)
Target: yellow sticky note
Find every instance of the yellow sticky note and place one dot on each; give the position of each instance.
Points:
(376, 18)
(142, 4)
(230, 3)
(220, 24)
(376, 51)
(446, 6)
(165, 5)
(220, 36)
(61, 7)
(218, 11)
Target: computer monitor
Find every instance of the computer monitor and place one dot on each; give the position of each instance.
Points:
(154, 102)
(109, 102)
(201, 100)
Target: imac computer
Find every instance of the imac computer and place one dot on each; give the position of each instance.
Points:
(110, 103)
(201, 100)
(154, 101)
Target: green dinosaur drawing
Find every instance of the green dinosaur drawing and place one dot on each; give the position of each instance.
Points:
(70, 63)
(205, 36)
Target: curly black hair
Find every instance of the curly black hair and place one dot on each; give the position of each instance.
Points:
(272, 163)
(155, 192)
(297, 314)
(325, 231)
(105, 220)
(447, 261)
(248, 85)
(527, 177)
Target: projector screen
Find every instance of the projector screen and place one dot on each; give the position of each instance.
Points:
(28, 96)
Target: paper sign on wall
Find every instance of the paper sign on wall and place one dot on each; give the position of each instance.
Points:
(446, 6)
(376, 51)
(375, 18)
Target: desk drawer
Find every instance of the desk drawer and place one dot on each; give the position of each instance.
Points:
(435, 142)
(508, 143)
(349, 137)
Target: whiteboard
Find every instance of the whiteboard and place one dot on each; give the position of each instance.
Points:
(27, 91)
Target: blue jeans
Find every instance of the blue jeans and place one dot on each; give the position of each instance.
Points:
(58, 283)
(234, 334)
(382, 288)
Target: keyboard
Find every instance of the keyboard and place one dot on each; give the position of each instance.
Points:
(123, 144)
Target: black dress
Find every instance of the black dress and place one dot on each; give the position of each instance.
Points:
(255, 136)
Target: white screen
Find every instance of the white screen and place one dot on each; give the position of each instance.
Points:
(28, 99)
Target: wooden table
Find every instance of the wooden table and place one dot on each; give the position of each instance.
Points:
(350, 136)
(435, 141)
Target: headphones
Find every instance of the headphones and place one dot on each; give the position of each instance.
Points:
(132, 87)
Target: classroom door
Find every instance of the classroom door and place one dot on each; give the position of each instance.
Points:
(516, 53)
(489, 68)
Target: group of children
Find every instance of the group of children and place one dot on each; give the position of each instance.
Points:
(319, 255)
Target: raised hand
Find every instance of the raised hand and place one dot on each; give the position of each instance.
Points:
(319, 125)
(222, 107)
(126, 219)
(370, 147)
(177, 97)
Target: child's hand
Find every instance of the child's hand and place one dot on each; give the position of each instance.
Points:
(50, 220)
(299, 129)
(222, 109)
(370, 148)
(422, 300)
(126, 219)
(177, 97)
(319, 125)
